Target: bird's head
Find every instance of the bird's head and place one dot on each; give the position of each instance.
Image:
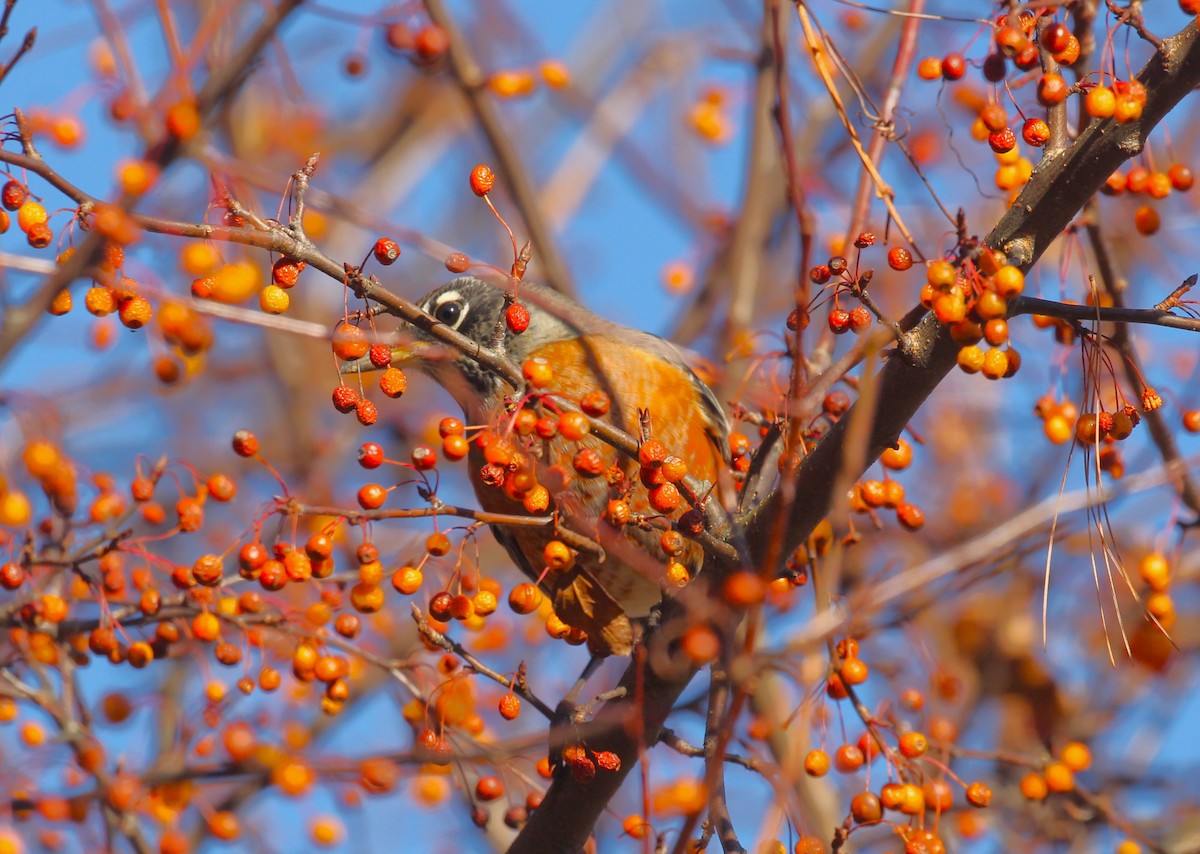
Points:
(475, 309)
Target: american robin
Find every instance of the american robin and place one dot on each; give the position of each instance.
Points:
(588, 484)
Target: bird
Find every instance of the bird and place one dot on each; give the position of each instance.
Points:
(600, 593)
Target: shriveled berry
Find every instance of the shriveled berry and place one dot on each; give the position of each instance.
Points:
(1035, 132)
(516, 316)
(482, 180)
(1003, 140)
(595, 403)
(380, 355)
(393, 382)
(366, 411)
(899, 258)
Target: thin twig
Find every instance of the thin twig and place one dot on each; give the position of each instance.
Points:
(470, 77)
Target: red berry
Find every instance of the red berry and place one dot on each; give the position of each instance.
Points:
(994, 67)
(431, 43)
(13, 195)
(366, 412)
(839, 321)
(1056, 37)
(344, 398)
(11, 576)
(482, 180)
(372, 496)
(954, 67)
(606, 760)
(285, 272)
(517, 318)
(899, 258)
(386, 251)
(651, 453)
(380, 355)
(595, 403)
(1035, 132)
(1003, 140)
(836, 403)
(456, 262)
(1181, 177)
(1052, 89)
(510, 706)
(424, 457)
(245, 443)
(370, 455)
(910, 516)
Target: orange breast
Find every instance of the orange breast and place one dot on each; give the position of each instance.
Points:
(637, 379)
(599, 596)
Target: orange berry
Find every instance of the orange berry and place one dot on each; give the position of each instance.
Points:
(407, 580)
(349, 342)
(393, 382)
(865, 808)
(938, 795)
(929, 68)
(913, 744)
(941, 274)
(437, 544)
(816, 763)
(744, 589)
(677, 575)
(538, 372)
(183, 120)
(482, 180)
(573, 426)
(1146, 220)
(137, 176)
(525, 598)
(372, 496)
(136, 312)
(701, 644)
(1076, 756)
(636, 827)
(1155, 571)
(854, 671)
(1058, 777)
(555, 75)
(979, 795)
(848, 759)
(558, 557)
(274, 300)
(30, 214)
(1052, 89)
(971, 359)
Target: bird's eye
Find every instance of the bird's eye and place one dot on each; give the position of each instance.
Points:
(450, 313)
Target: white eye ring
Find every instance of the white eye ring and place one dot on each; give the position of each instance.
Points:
(450, 309)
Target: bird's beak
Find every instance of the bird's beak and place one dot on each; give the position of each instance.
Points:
(409, 352)
(402, 356)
